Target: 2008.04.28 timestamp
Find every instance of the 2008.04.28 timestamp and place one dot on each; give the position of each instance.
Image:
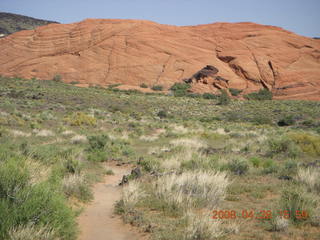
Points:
(260, 214)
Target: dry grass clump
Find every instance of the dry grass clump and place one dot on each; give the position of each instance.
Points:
(310, 177)
(149, 138)
(38, 172)
(202, 227)
(30, 232)
(17, 133)
(77, 139)
(206, 188)
(45, 133)
(194, 143)
(174, 162)
(67, 133)
(131, 194)
(75, 185)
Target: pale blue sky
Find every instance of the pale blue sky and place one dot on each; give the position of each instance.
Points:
(299, 16)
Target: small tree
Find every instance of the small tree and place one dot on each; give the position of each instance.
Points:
(57, 78)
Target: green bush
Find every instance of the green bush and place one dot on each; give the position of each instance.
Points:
(97, 156)
(180, 89)
(209, 96)
(143, 85)
(223, 98)
(269, 167)
(23, 203)
(283, 145)
(286, 121)
(239, 167)
(162, 114)
(262, 94)
(234, 91)
(98, 142)
(255, 161)
(157, 88)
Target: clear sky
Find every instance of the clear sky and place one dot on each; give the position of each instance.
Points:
(299, 16)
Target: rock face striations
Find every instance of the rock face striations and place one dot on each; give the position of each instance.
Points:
(244, 56)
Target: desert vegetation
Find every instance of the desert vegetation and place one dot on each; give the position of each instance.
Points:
(211, 167)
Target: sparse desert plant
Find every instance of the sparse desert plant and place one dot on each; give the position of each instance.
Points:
(234, 91)
(143, 85)
(310, 178)
(262, 94)
(97, 142)
(75, 185)
(157, 88)
(209, 96)
(202, 227)
(31, 232)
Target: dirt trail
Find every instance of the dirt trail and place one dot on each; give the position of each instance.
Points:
(98, 222)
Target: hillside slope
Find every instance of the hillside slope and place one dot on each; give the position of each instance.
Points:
(11, 23)
(245, 56)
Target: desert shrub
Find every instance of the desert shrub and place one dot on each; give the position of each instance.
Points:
(143, 85)
(308, 143)
(269, 166)
(162, 114)
(72, 165)
(282, 145)
(289, 168)
(261, 119)
(74, 82)
(180, 89)
(209, 96)
(234, 91)
(75, 185)
(255, 161)
(98, 141)
(286, 121)
(223, 98)
(80, 119)
(157, 88)
(98, 155)
(295, 201)
(57, 78)
(238, 166)
(262, 94)
(23, 203)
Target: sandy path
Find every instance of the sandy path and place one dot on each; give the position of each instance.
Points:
(97, 222)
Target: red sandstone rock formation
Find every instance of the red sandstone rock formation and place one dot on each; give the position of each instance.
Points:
(245, 56)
